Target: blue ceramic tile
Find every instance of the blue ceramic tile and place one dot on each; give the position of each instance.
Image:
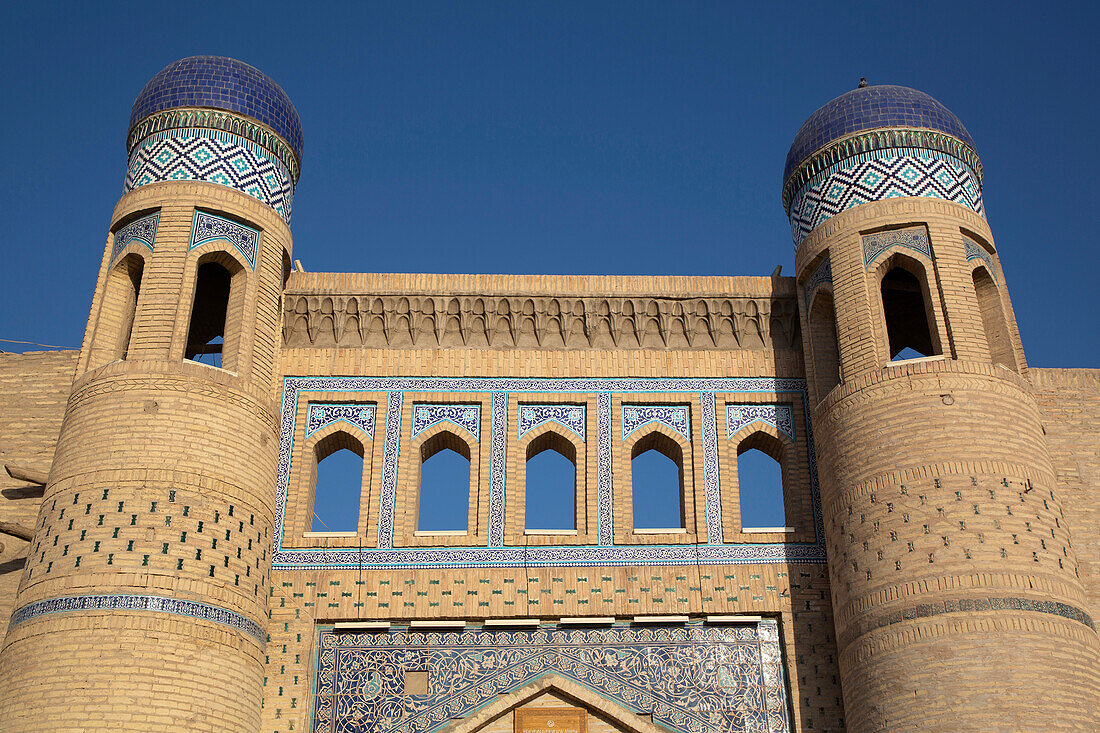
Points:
(866, 109)
(221, 83)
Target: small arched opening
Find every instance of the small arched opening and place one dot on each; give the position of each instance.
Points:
(338, 483)
(551, 484)
(760, 483)
(907, 310)
(657, 483)
(443, 499)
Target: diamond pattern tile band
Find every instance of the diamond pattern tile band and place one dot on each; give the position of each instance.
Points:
(197, 154)
(879, 175)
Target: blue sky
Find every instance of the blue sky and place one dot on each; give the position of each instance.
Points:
(555, 137)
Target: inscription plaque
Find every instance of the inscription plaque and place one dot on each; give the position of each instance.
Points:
(551, 720)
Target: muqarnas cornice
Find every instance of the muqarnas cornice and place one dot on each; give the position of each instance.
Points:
(416, 321)
(875, 140)
(213, 119)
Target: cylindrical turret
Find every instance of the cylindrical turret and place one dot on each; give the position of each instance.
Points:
(143, 604)
(955, 586)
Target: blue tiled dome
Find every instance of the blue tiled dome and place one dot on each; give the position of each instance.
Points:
(867, 108)
(221, 83)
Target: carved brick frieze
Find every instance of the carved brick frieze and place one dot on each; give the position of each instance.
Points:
(423, 321)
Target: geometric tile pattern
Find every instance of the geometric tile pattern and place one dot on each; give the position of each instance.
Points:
(215, 156)
(503, 391)
(692, 678)
(780, 417)
(142, 230)
(570, 417)
(675, 418)
(176, 606)
(467, 417)
(880, 175)
(975, 251)
(221, 83)
(325, 413)
(912, 238)
(208, 227)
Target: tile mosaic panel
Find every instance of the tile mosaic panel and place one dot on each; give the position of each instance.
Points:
(500, 390)
(780, 417)
(879, 175)
(124, 602)
(676, 418)
(214, 156)
(143, 230)
(209, 227)
(320, 414)
(692, 678)
(912, 238)
(570, 417)
(467, 417)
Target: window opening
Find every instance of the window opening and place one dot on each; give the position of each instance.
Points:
(907, 315)
(993, 319)
(444, 501)
(760, 490)
(206, 334)
(657, 481)
(551, 488)
(336, 497)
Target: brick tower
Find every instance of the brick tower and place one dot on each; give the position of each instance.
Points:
(957, 600)
(156, 521)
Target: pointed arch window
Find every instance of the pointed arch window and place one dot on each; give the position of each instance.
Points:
(551, 484)
(907, 310)
(760, 484)
(993, 319)
(443, 499)
(338, 484)
(657, 483)
(213, 335)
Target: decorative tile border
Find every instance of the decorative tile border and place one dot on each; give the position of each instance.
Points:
(693, 678)
(966, 605)
(143, 230)
(570, 417)
(605, 516)
(124, 602)
(498, 467)
(712, 490)
(467, 417)
(391, 447)
(208, 227)
(912, 238)
(320, 414)
(606, 553)
(675, 417)
(975, 251)
(215, 156)
(780, 417)
(882, 174)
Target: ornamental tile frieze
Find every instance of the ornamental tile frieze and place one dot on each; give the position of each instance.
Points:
(352, 320)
